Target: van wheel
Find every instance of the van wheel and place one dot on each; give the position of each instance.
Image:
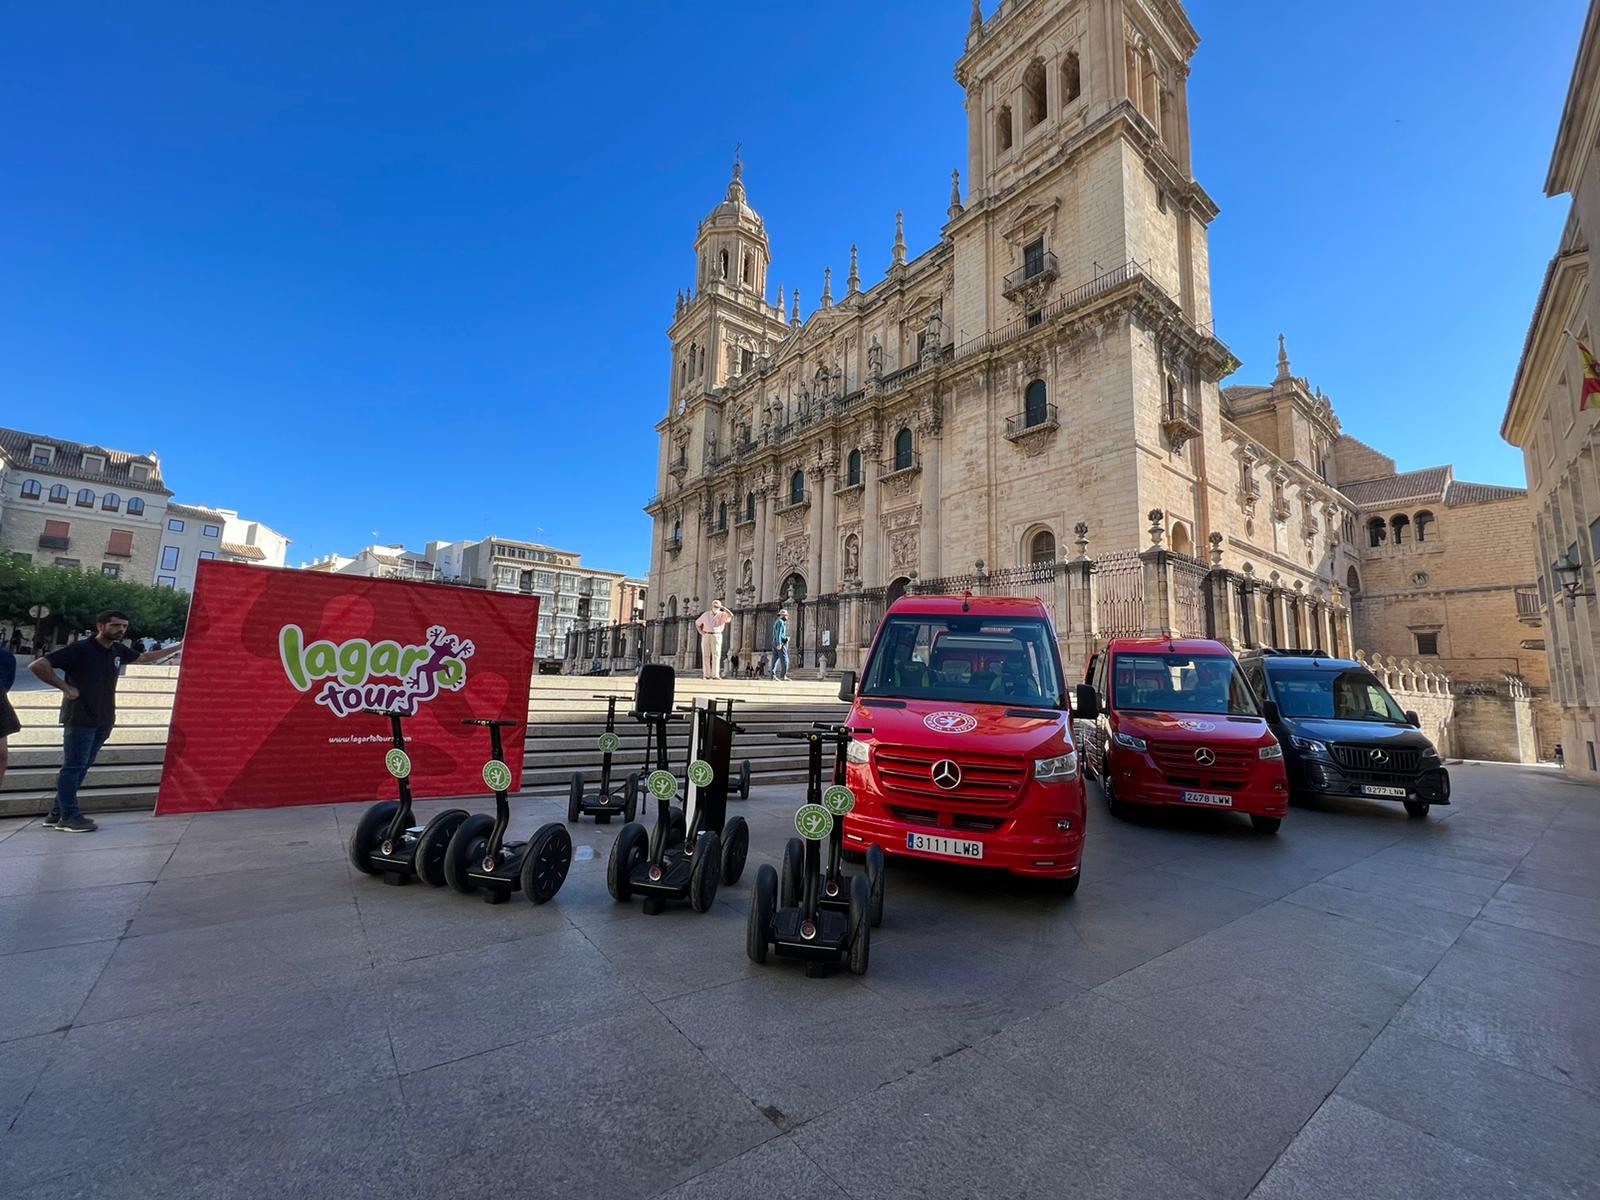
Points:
(1114, 806)
(1417, 808)
(1069, 887)
(1265, 824)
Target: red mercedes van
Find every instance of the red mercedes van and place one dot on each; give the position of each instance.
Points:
(970, 756)
(1179, 725)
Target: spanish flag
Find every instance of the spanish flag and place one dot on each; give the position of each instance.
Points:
(1591, 378)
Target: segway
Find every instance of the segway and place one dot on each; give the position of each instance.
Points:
(684, 857)
(386, 842)
(835, 882)
(817, 934)
(604, 804)
(480, 859)
(738, 780)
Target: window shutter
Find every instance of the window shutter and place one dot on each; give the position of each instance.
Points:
(121, 543)
(57, 528)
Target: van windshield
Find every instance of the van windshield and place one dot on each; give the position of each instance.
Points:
(1350, 695)
(1186, 683)
(965, 658)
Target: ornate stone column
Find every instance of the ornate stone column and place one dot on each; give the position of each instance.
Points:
(1157, 580)
(928, 425)
(871, 530)
(766, 545)
(828, 576)
(1081, 634)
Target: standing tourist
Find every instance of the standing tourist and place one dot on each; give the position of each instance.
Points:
(88, 710)
(711, 623)
(780, 645)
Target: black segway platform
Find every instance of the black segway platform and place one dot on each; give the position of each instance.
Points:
(837, 798)
(479, 858)
(691, 851)
(806, 929)
(605, 803)
(386, 842)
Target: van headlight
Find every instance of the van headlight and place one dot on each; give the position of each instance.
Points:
(1272, 753)
(1063, 766)
(1128, 742)
(1429, 752)
(1309, 745)
(859, 753)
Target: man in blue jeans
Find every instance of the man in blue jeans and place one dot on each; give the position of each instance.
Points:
(780, 645)
(88, 710)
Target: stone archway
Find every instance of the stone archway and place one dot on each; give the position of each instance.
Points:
(793, 597)
(895, 590)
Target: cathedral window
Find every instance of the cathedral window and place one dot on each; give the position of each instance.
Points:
(797, 487)
(1003, 128)
(749, 506)
(1424, 520)
(1352, 581)
(1033, 258)
(722, 516)
(902, 450)
(853, 468)
(1033, 89)
(1071, 79)
(1400, 525)
(1042, 548)
(1035, 404)
(747, 359)
(749, 271)
(724, 264)
(1377, 532)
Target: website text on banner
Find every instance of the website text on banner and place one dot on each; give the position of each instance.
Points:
(279, 666)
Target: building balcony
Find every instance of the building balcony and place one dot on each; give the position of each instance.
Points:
(673, 544)
(49, 541)
(895, 467)
(1181, 423)
(1529, 609)
(792, 500)
(1044, 270)
(679, 467)
(1036, 421)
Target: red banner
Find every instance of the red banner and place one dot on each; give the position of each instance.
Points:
(278, 665)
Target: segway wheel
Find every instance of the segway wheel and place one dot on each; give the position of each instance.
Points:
(875, 882)
(630, 799)
(467, 845)
(575, 797)
(763, 907)
(545, 863)
(434, 843)
(794, 874)
(680, 829)
(707, 873)
(860, 925)
(735, 848)
(744, 779)
(368, 830)
(627, 852)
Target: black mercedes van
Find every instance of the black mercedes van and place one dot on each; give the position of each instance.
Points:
(1342, 732)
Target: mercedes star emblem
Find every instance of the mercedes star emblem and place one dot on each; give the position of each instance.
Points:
(946, 774)
(1204, 756)
(1379, 757)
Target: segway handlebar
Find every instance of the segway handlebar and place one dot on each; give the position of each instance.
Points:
(490, 724)
(383, 712)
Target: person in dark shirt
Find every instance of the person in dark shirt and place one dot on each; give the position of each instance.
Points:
(89, 708)
(8, 717)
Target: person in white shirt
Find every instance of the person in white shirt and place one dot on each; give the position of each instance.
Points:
(711, 623)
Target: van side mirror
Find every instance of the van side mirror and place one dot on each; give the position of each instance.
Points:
(847, 686)
(1088, 703)
(1412, 718)
(1269, 710)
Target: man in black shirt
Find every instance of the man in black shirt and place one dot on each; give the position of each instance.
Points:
(89, 709)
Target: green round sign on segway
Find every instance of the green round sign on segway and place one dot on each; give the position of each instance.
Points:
(662, 784)
(497, 775)
(838, 799)
(609, 743)
(700, 773)
(813, 822)
(398, 763)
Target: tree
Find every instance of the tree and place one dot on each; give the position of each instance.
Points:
(75, 598)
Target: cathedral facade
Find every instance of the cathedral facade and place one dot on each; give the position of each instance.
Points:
(1043, 385)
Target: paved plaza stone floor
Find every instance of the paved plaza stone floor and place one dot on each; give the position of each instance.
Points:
(1363, 1006)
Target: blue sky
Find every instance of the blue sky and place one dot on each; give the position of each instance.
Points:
(405, 269)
